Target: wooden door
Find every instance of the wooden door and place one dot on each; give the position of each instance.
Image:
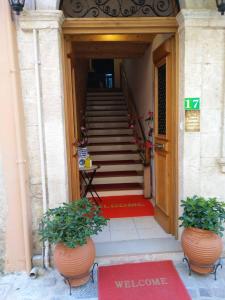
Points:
(165, 135)
(71, 122)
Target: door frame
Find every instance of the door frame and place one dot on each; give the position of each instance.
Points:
(73, 27)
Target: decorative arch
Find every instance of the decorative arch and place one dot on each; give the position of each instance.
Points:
(119, 8)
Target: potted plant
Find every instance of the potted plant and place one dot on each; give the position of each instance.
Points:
(70, 227)
(201, 239)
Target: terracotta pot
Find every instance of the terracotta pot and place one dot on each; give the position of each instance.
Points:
(75, 262)
(202, 247)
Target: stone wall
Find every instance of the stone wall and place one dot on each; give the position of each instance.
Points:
(51, 94)
(202, 65)
(3, 211)
(196, 4)
(202, 73)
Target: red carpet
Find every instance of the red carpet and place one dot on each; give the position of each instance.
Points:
(144, 281)
(126, 206)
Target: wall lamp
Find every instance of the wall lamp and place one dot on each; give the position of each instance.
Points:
(221, 6)
(17, 5)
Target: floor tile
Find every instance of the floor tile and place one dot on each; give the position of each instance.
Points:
(124, 235)
(151, 233)
(122, 223)
(102, 236)
(144, 222)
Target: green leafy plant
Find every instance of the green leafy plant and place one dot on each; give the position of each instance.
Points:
(72, 223)
(202, 213)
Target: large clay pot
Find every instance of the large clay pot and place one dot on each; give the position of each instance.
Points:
(202, 247)
(75, 263)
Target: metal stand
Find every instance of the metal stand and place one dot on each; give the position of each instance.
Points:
(213, 267)
(67, 279)
(88, 176)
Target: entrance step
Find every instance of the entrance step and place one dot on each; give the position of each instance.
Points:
(114, 155)
(129, 165)
(118, 177)
(110, 131)
(140, 246)
(110, 139)
(112, 147)
(107, 125)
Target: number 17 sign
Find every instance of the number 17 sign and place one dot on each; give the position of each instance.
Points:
(192, 103)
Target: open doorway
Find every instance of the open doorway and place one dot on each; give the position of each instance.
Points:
(148, 64)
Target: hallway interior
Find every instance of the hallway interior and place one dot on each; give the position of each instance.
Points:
(113, 78)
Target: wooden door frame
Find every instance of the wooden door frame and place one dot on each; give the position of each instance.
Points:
(73, 27)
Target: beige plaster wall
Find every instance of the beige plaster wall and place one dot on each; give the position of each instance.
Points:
(16, 222)
(3, 213)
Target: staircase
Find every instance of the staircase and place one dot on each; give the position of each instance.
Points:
(110, 144)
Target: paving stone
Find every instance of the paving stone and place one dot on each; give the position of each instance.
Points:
(220, 292)
(4, 289)
(193, 293)
(50, 286)
(204, 292)
(49, 282)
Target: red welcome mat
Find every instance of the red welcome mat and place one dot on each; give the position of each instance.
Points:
(126, 206)
(157, 280)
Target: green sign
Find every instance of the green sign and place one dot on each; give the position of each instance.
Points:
(192, 103)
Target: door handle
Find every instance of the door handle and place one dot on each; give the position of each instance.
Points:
(159, 146)
(74, 150)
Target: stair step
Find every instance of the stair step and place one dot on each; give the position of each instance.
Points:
(107, 125)
(108, 118)
(118, 189)
(110, 139)
(104, 94)
(113, 179)
(105, 98)
(96, 113)
(109, 131)
(119, 165)
(106, 107)
(106, 102)
(114, 155)
(112, 147)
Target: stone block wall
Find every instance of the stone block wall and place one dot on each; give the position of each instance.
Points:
(202, 73)
(202, 65)
(51, 93)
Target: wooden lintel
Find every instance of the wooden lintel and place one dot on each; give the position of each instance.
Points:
(108, 38)
(73, 26)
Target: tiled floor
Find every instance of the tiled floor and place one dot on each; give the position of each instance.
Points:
(123, 229)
